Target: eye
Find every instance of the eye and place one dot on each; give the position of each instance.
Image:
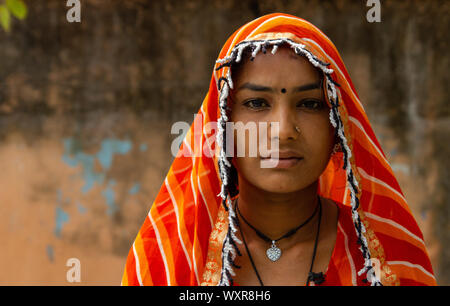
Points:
(311, 104)
(256, 103)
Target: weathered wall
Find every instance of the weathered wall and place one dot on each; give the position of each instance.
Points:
(86, 111)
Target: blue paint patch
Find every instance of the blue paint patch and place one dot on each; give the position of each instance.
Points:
(134, 189)
(143, 147)
(60, 196)
(423, 214)
(393, 152)
(110, 196)
(89, 175)
(70, 148)
(109, 147)
(50, 253)
(61, 218)
(73, 157)
(81, 208)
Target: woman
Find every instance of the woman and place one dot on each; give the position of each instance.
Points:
(327, 210)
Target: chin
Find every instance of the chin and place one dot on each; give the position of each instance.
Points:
(278, 185)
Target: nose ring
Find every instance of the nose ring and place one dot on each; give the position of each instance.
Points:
(296, 127)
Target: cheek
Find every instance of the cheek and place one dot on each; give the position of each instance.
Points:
(249, 170)
(318, 137)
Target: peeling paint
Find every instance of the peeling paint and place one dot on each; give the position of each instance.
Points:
(109, 147)
(81, 209)
(50, 253)
(61, 218)
(73, 156)
(134, 189)
(143, 147)
(424, 214)
(110, 197)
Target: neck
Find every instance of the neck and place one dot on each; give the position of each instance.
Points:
(274, 214)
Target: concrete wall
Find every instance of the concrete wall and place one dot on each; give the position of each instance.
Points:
(86, 111)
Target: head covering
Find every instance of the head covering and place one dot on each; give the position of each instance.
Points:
(188, 237)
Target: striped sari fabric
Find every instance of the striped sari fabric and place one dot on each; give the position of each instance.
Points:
(188, 236)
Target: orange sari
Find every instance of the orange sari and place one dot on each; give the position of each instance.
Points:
(188, 237)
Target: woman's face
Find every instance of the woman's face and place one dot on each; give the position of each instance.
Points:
(283, 88)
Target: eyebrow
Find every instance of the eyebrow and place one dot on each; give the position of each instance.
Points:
(256, 87)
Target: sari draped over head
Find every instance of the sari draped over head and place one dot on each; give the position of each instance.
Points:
(188, 236)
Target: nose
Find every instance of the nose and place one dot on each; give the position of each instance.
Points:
(285, 117)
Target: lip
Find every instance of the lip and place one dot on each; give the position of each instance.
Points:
(287, 154)
(282, 159)
(281, 163)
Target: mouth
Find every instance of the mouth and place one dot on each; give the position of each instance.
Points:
(287, 159)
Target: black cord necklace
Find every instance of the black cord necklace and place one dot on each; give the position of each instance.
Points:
(317, 278)
(274, 252)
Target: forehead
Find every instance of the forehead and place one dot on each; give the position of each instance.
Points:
(282, 68)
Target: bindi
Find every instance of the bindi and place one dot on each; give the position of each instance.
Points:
(283, 90)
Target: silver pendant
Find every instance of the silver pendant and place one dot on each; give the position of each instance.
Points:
(273, 253)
